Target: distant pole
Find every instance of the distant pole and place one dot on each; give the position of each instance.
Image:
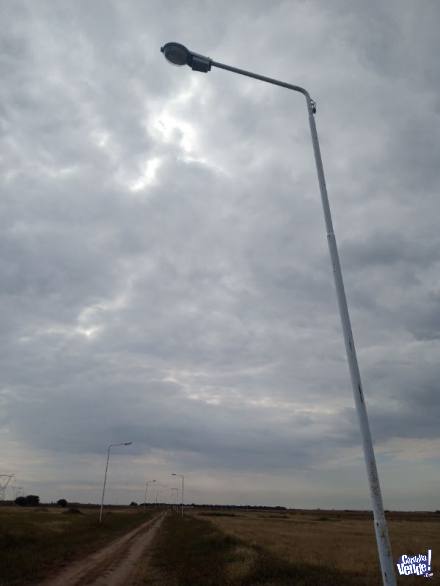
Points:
(146, 489)
(105, 475)
(176, 496)
(182, 477)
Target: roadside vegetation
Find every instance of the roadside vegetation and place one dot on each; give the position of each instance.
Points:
(192, 551)
(33, 542)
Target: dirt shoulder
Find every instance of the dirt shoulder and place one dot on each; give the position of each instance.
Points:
(114, 565)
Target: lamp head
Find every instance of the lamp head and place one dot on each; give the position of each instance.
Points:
(127, 443)
(175, 53)
(178, 54)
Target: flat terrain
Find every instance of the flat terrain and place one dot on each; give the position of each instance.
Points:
(37, 542)
(205, 547)
(338, 540)
(192, 551)
(284, 548)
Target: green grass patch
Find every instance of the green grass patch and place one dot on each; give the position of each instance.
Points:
(33, 542)
(190, 551)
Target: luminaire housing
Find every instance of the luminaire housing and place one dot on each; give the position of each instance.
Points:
(178, 54)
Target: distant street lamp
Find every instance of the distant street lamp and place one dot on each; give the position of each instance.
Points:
(146, 489)
(163, 488)
(182, 477)
(178, 54)
(105, 475)
(176, 496)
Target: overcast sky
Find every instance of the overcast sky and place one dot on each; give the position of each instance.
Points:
(164, 269)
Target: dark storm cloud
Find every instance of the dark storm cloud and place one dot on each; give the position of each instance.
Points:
(164, 269)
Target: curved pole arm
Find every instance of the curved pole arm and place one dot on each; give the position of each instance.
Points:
(296, 88)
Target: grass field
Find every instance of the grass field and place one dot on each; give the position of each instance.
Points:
(35, 541)
(333, 539)
(300, 548)
(220, 548)
(192, 551)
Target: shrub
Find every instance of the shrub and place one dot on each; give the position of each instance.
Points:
(31, 500)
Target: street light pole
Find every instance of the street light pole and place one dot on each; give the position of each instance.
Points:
(146, 489)
(105, 475)
(180, 55)
(183, 486)
(176, 496)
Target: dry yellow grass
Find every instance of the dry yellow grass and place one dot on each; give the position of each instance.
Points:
(335, 539)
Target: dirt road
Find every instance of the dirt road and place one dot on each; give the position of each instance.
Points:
(114, 565)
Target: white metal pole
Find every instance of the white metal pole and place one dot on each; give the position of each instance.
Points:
(176, 496)
(183, 491)
(105, 475)
(105, 481)
(182, 477)
(146, 489)
(380, 525)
